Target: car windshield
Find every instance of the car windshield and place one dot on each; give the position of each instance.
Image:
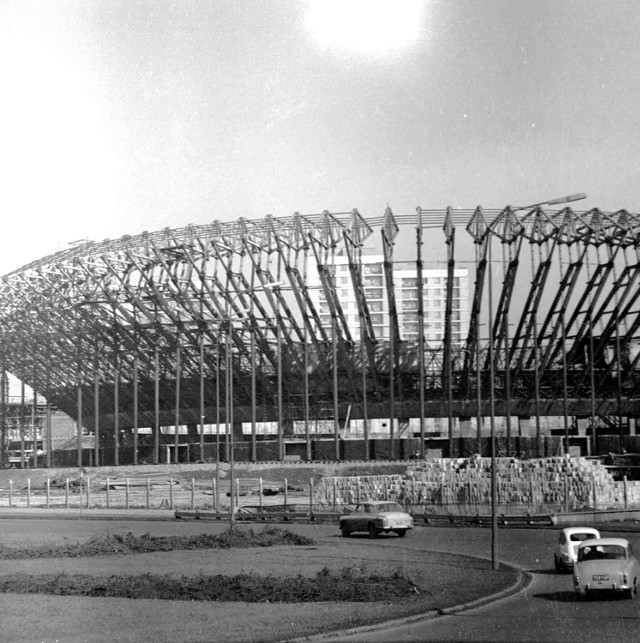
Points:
(602, 552)
(388, 506)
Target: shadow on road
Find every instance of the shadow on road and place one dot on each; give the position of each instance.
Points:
(558, 597)
(571, 597)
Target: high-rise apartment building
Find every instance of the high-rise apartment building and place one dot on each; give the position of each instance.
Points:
(405, 285)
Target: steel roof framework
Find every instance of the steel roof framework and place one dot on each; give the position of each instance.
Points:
(147, 330)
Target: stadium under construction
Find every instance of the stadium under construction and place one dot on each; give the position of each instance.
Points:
(332, 336)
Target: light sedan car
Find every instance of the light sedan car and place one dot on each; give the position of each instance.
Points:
(566, 549)
(376, 517)
(606, 565)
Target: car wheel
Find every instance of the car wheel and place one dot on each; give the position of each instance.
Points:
(373, 531)
(401, 532)
(345, 532)
(556, 563)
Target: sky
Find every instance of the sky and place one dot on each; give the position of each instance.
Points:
(120, 116)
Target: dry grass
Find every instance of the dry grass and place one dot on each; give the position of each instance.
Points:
(344, 585)
(130, 544)
(347, 584)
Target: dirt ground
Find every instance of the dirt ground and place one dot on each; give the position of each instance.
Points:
(176, 486)
(444, 580)
(294, 473)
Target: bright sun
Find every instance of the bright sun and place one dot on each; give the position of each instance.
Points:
(368, 26)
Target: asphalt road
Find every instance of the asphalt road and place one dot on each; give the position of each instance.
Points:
(545, 611)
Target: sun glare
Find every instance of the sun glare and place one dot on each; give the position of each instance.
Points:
(367, 26)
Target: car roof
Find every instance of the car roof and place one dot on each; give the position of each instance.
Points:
(594, 542)
(377, 502)
(579, 530)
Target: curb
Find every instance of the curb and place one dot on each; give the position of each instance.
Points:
(87, 514)
(524, 578)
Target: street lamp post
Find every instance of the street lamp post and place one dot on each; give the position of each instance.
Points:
(494, 486)
(560, 200)
(228, 320)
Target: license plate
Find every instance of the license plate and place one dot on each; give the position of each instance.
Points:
(600, 577)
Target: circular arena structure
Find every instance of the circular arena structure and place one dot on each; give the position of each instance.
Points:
(333, 336)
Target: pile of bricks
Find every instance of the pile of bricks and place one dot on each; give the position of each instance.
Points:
(464, 485)
(337, 491)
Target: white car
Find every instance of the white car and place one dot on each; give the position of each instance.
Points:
(566, 550)
(376, 517)
(606, 565)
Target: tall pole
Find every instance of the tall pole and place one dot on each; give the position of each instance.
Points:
(156, 407)
(232, 516)
(536, 384)
(176, 437)
(217, 490)
(281, 447)
(495, 564)
(619, 379)
(479, 405)
(565, 402)
(116, 415)
(334, 353)
(420, 284)
(363, 367)
(254, 412)
(78, 424)
(592, 381)
(202, 417)
(135, 409)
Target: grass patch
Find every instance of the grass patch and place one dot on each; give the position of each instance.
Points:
(130, 544)
(343, 585)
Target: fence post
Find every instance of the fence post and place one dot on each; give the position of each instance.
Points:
(126, 495)
(148, 492)
(108, 499)
(171, 493)
(595, 497)
(10, 494)
(531, 505)
(48, 491)
(286, 494)
(334, 494)
(311, 498)
(88, 492)
(566, 493)
(193, 493)
(28, 492)
(215, 495)
(260, 490)
(624, 481)
(66, 493)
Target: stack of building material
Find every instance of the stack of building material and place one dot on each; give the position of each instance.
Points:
(333, 491)
(464, 484)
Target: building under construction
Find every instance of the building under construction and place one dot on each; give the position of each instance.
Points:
(335, 336)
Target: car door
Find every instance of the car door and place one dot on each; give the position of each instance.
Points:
(359, 519)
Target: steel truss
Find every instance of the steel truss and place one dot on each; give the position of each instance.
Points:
(188, 326)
